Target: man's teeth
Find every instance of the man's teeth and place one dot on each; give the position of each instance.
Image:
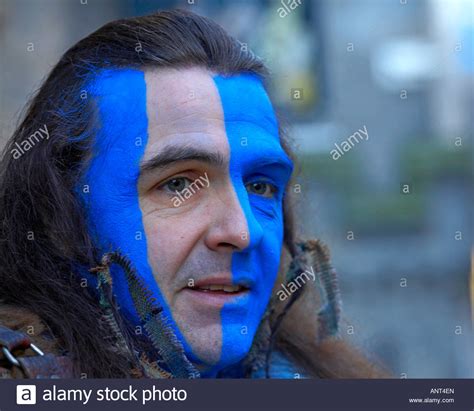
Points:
(225, 288)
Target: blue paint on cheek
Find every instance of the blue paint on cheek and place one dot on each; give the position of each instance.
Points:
(112, 203)
(255, 154)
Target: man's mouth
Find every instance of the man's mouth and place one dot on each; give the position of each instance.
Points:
(216, 291)
(220, 288)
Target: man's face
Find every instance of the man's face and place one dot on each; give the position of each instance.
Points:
(188, 181)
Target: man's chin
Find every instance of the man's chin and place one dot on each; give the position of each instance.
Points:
(203, 343)
(216, 338)
(208, 353)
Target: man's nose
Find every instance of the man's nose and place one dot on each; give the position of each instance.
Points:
(232, 225)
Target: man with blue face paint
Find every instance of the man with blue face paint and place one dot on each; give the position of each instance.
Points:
(211, 261)
(172, 178)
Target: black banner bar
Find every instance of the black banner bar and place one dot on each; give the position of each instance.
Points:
(288, 395)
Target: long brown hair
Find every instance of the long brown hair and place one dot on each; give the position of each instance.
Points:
(43, 235)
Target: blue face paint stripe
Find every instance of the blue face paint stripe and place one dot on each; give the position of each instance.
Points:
(112, 201)
(250, 119)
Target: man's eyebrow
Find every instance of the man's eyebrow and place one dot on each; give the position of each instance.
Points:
(174, 154)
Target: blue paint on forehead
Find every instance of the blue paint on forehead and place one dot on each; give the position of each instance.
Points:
(255, 155)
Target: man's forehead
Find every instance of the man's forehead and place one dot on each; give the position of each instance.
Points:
(196, 100)
(244, 99)
(181, 103)
(188, 98)
(163, 107)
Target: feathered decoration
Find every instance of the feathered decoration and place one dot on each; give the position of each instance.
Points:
(311, 253)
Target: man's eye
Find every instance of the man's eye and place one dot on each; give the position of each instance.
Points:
(177, 184)
(261, 188)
